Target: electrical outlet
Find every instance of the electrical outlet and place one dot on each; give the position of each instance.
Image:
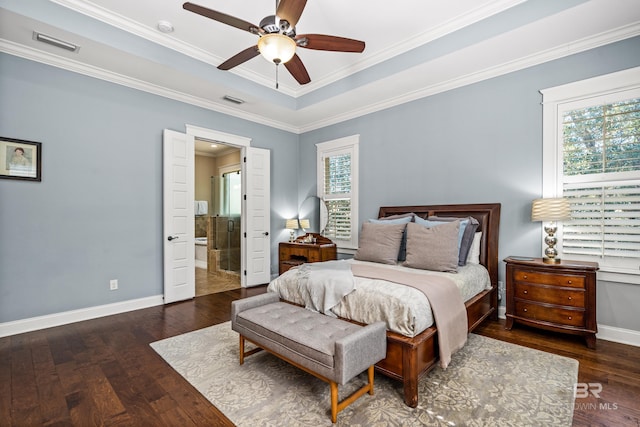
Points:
(113, 284)
(501, 290)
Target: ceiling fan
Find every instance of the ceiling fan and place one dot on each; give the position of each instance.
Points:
(278, 39)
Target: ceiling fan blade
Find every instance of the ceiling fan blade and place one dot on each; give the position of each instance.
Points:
(222, 17)
(239, 58)
(290, 10)
(333, 43)
(297, 70)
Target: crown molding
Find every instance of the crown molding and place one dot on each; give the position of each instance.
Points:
(558, 52)
(29, 53)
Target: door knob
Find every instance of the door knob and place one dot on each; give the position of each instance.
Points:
(266, 233)
(170, 238)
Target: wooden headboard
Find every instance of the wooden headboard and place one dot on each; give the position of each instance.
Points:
(487, 214)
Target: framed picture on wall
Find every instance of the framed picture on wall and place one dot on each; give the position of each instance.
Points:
(20, 159)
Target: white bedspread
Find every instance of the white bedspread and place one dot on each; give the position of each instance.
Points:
(406, 310)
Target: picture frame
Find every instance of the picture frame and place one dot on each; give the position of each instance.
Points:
(20, 159)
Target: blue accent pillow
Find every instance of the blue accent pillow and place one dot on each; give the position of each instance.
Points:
(402, 253)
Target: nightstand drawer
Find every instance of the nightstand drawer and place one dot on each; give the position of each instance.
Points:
(560, 316)
(549, 278)
(549, 294)
(299, 252)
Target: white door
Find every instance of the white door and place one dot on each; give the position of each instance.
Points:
(178, 219)
(256, 254)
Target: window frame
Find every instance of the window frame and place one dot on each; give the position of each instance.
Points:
(599, 90)
(346, 145)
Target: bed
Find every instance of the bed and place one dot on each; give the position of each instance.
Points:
(413, 348)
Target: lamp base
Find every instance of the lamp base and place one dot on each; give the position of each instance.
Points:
(551, 260)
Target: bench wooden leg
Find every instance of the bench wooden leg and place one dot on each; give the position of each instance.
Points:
(334, 401)
(337, 407)
(243, 353)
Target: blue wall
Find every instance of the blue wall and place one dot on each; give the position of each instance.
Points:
(481, 143)
(97, 214)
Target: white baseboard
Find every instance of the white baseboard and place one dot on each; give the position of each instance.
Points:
(502, 312)
(64, 318)
(619, 335)
(201, 264)
(607, 333)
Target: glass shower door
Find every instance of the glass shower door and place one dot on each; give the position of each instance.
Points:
(228, 203)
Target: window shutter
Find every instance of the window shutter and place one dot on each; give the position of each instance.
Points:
(601, 177)
(605, 220)
(337, 195)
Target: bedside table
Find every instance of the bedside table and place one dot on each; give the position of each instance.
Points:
(558, 297)
(297, 252)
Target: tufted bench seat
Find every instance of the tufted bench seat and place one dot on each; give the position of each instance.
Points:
(331, 349)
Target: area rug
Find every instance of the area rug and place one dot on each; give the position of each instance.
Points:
(488, 383)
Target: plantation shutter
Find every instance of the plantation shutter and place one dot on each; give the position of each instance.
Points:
(337, 195)
(601, 177)
(337, 184)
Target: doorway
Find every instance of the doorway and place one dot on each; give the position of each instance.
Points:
(217, 206)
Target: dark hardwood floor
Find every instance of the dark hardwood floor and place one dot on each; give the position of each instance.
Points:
(103, 372)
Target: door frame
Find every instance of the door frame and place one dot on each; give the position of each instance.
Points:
(239, 142)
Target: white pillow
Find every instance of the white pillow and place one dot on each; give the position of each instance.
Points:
(474, 252)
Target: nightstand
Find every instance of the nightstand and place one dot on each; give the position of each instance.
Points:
(297, 252)
(558, 297)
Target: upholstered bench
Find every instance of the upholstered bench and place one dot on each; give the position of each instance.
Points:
(331, 349)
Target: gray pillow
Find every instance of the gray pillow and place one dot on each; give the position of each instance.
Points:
(380, 242)
(467, 237)
(397, 219)
(433, 248)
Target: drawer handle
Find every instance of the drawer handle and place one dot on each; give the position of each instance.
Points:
(569, 282)
(525, 276)
(570, 298)
(570, 317)
(525, 292)
(525, 310)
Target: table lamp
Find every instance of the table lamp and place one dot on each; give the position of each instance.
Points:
(291, 224)
(550, 210)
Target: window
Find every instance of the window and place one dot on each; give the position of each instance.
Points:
(592, 156)
(338, 187)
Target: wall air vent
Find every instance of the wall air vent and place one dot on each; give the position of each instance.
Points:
(55, 42)
(232, 99)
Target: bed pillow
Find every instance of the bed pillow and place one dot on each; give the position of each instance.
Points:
(433, 248)
(409, 215)
(380, 242)
(474, 252)
(467, 230)
(397, 219)
(434, 222)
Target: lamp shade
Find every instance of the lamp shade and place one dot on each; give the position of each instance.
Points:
(304, 223)
(277, 48)
(292, 224)
(550, 209)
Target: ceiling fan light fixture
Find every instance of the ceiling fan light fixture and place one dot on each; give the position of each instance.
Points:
(277, 48)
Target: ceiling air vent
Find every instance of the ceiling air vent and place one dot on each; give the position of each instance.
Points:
(55, 42)
(232, 99)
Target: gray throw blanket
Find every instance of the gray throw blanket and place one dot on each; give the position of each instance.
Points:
(323, 284)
